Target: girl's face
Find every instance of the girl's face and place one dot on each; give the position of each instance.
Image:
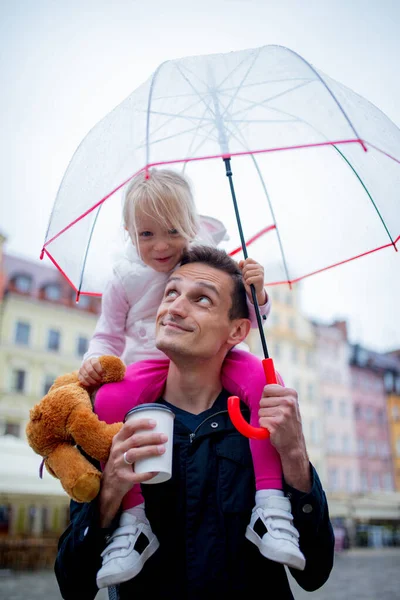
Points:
(159, 248)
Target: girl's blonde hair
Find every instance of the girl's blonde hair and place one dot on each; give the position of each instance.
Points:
(164, 195)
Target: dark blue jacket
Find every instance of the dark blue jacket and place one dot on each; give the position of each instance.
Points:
(200, 517)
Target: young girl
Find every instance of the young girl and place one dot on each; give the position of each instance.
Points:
(160, 216)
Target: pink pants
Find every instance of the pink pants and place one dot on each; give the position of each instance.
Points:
(242, 375)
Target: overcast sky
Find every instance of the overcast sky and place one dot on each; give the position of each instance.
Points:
(64, 65)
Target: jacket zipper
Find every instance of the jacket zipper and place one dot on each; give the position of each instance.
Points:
(193, 435)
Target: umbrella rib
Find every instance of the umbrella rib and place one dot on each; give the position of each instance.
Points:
(255, 104)
(78, 291)
(153, 80)
(172, 115)
(203, 141)
(230, 89)
(256, 54)
(331, 94)
(368, 194)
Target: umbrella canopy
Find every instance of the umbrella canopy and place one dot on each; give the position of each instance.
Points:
(315, 164)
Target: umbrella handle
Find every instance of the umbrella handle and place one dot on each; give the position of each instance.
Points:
(255, 433)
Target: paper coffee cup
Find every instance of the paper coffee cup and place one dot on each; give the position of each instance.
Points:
(162, 464)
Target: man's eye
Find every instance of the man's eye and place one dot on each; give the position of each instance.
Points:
(145, 234)
(204, 300)
(171, 294)
(173, 231)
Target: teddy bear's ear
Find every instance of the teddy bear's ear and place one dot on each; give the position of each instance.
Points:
(35, 414)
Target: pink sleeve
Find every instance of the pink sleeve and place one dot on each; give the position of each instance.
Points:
(265, 309)
(144, 381)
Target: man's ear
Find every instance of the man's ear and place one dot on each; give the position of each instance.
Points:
(239, 331)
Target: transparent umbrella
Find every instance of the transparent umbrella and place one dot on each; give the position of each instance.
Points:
(316, 166)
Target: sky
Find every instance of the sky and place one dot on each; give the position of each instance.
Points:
(64, 66)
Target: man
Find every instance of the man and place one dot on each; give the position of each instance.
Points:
(200, 515)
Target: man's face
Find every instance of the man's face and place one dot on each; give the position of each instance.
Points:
(193, 318)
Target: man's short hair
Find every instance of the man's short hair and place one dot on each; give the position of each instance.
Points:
(219, 259)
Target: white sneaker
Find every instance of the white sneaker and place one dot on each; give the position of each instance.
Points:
(271, 530)
(131, 544)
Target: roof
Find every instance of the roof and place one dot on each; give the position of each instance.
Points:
(19, 470)
(40, 273)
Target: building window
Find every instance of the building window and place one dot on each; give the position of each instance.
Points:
(53, 340)
(314, 432)
(23, 283)
(380, 417)
(83, 302)
(294, 354)
(343, 408)
(52, 292)
(388, 381)
(5, 518)
(12, 429)
(346, 444)
(387, 482)
(277, 350)
(48, 382)
(18, 380)
(395, 412)
(333, 479)
(364, 481)
(361, 447)
(328, 406)
(81, 346)
(348, 481)
(372, 448)
(22, 333)
(369, 414)
(291, 324)
(357, 412)
(331, 442)
(398, 446)
(310, 392)
(376, 485)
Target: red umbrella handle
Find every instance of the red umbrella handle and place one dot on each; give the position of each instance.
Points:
(255, 433)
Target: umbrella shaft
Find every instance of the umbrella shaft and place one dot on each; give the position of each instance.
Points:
(228, 168)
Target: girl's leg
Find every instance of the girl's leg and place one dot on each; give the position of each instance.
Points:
(271, 525)
(243, 376)
(143, 382)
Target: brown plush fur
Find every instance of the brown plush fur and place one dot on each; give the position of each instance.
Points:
(63, 419)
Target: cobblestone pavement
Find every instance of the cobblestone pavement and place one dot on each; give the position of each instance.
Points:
(360, 574)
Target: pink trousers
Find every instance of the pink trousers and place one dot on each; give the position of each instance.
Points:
(242, 375)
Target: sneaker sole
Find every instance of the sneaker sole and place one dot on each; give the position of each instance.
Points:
(294, 562)
(116, 578)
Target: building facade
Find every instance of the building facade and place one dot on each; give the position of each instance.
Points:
(43, 334)
(392, 388)
(371, 421)
(333, 353)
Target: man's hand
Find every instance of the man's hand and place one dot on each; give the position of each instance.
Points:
(91, 372)
(279, 413)
(253, 273)
(118, 475)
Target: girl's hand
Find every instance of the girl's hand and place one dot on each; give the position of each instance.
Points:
(253, 273)
(91, 372)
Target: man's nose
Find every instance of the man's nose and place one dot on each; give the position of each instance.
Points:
(179, 306)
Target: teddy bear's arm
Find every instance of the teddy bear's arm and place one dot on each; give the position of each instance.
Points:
(91, 434)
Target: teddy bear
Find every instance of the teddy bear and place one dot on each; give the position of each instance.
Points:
(63, 420)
